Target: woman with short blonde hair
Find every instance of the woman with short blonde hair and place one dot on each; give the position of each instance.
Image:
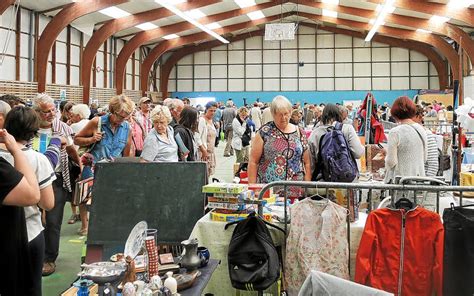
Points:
(109, 136)
(285, 145)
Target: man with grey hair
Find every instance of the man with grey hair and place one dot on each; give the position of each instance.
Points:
(49, 126)
(175, 106)
(345, 115)
(228, 116)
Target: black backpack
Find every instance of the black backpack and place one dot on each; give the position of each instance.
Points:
(253, 260)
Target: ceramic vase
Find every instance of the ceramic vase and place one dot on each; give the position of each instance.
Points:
(171, 283)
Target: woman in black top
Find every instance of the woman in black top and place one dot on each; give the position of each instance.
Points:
(18, 188)
(185, 129)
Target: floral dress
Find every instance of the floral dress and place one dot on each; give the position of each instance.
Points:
(317, 241)
(211, 138)
(282, 157)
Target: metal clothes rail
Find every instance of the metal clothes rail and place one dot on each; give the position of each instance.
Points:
(369, 186)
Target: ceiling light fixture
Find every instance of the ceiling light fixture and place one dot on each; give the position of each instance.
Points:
(439, 19)
(213, 26)
(166, 4)
(114, 12)
(335, 2)
(457, 4)
(195, 14)
(423, 31)
(146, 26)
(330, 13)
(255, 15)
(384, 10)
(245, 3)
(170, 36)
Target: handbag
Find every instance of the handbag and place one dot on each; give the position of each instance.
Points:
(86, 149)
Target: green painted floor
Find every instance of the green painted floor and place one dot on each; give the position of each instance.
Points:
(70, 250)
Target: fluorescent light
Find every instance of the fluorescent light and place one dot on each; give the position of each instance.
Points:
(170, 36)
(195, 14)
(331, 1)
(213, 26)
(146, 26)
(329, 13)
(114, 12)
(457, 4)
(255, 15)
(245, 3)
(386, 8)
(439, 19)
(372, 21)
(183, 15)
(423, 31)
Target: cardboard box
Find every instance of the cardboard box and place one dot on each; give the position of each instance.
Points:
(224, 188)
(467, 179)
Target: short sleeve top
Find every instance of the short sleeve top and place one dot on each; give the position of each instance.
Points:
(282, 157)
(156, 149)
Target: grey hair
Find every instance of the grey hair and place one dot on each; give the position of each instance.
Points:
(82, 110)
(173, 103)
(343, 109)
(4, 108)
(229, 103)
(159, 112)
(40, 99)
(280, 103)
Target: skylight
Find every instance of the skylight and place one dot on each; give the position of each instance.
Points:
(114, 12)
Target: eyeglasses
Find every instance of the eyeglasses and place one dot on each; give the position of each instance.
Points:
(122, 117)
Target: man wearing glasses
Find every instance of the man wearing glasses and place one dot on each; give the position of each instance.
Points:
(49, 126)
(109, 136)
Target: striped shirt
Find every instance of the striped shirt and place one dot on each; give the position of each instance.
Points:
(64, 131)
(145, 121)
(432, 162)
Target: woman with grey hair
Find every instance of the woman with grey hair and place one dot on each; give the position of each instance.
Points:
(160, 145)
(279, 149)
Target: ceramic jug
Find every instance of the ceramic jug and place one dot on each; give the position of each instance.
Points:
(190, 259)
(171, 283)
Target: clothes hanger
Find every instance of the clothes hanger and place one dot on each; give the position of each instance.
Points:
(254, 214)
(453, 207)
(317, 196)
(404, 203)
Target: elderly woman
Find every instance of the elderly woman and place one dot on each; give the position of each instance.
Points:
(241, 135)
(160, 144)
(280, 149)
(407, 143)
(109, 135)
(331, 115)
(207, 137)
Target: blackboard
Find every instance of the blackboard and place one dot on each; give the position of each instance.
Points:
(165, 195)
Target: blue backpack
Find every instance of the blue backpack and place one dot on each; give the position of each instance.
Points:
(335, 160)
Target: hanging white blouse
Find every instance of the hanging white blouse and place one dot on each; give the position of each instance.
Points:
(317, 241)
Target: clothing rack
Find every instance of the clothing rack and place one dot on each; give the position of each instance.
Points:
(362, 186)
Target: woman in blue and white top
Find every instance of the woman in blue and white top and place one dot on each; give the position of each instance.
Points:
(160, 144)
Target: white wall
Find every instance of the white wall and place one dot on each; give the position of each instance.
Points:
(331, 62)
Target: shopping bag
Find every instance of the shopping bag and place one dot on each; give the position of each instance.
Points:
(222, 135)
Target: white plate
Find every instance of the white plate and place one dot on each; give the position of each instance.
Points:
(135, 240)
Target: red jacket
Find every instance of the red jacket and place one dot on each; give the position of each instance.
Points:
(401, 252)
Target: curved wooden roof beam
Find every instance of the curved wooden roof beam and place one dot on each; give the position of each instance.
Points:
(188, 39)
(178, 55)
(462, 14)
(435, 41)
(424, 49)
(147, 36)
(5, 4)
(449, 30)
(60, 21)
(113, 26)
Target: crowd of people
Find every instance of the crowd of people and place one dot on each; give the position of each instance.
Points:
(44, 150)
